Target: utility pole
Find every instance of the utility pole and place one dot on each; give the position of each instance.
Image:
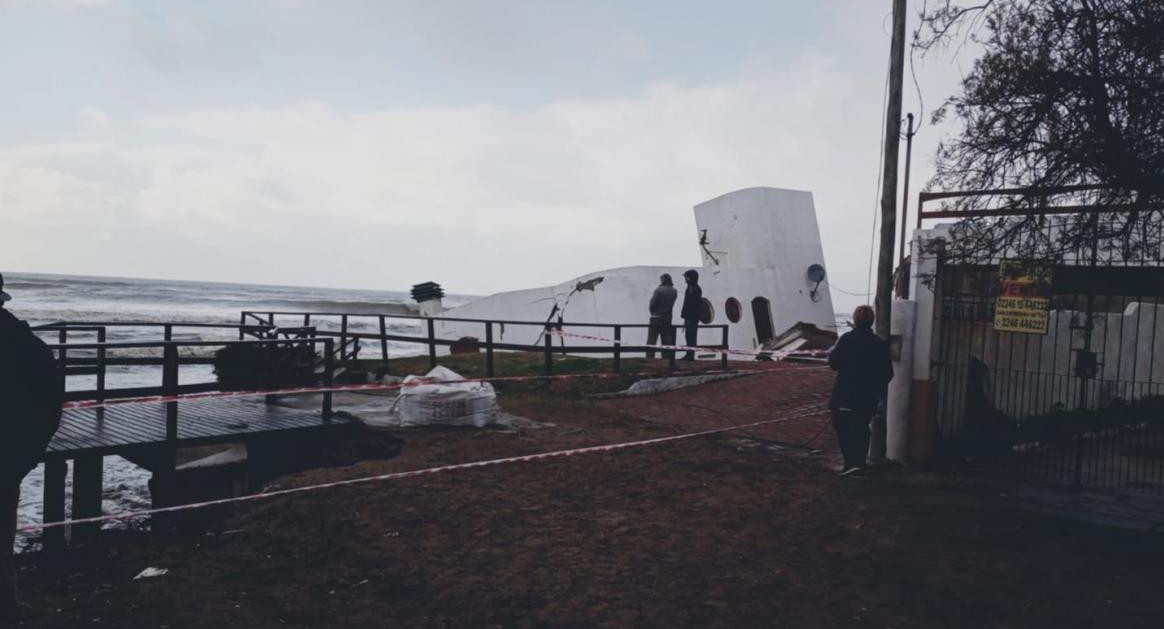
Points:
(884, 301)
(909, 133)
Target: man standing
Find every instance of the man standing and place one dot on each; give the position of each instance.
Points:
(661, 306)
(692, 308)
(864, 369)
(31, 391)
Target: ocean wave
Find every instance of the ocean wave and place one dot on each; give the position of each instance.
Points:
(343, 307)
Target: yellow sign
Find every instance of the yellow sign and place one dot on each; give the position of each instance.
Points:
(1027, 315)
(1024, 297)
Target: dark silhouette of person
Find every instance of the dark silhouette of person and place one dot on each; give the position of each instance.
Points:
(661, 307)
(31, 391)
(692, 309)
(864, 369)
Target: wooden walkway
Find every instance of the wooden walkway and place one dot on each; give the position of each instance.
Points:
(200, 422)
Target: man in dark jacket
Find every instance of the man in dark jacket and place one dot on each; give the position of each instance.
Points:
(692, 309)
(864, 369)
(661, 306)
(31, 391)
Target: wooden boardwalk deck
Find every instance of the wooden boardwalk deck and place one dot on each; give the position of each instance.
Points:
(199, 422)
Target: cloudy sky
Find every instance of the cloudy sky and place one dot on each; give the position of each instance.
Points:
(485, 145)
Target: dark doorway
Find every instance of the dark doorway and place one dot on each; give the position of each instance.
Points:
(762, 314)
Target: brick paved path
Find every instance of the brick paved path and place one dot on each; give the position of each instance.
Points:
(783, 389)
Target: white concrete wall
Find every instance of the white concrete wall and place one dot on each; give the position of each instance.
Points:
(768, 238)
(760, 228)
(623, 297)
(900, 388)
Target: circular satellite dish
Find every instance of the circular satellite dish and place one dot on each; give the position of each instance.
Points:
(815, 273)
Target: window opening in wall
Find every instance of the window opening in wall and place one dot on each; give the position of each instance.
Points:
(707, 313)
(732, 309)
(762, 314)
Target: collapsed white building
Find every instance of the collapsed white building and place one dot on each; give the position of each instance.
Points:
(763, 272)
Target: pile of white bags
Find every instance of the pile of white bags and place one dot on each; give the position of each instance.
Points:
(451, 400)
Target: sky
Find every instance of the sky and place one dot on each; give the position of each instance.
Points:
(488, 146)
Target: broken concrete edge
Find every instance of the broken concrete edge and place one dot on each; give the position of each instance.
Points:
(654, 386)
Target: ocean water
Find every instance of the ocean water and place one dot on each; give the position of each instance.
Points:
(39, 299)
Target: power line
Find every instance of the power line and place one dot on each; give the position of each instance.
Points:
(880, 165)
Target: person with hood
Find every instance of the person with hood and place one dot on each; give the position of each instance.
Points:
(31, 391)
(692, 309)
(864, 369)
(661, 306)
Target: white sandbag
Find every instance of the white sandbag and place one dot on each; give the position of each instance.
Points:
(449, 400)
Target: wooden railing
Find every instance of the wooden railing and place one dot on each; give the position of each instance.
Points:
(171, 361)
(65, 333)
(431, 341)
(345, 348)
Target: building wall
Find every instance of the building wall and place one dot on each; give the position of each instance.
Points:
(760, 243)
(760, 228)
(623, 296)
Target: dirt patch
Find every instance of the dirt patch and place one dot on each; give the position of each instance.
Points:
(720, 531)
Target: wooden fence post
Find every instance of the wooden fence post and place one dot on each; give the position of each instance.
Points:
(383, 343)
(328, 377)
(432, 361)
(170, 386)
(164, 485)
(618, 349)
(548, 368)
(489, 349)
(723, 361)
(671, 364)
(88, 472)
(63, 354)
(101, 374)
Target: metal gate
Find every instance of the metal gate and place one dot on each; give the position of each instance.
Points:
(1083, 404)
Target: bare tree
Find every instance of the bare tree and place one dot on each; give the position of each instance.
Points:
(1067, 94)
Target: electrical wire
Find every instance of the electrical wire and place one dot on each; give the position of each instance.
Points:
(845, 292)
(921, 103)
(880, 167)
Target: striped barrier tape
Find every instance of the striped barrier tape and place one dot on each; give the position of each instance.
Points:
(806, 411)
(161, 399)
(775, 355)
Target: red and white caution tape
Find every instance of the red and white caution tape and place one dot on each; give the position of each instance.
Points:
(776, 355)
(161, 399)
(158, 399)
(803, 412)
